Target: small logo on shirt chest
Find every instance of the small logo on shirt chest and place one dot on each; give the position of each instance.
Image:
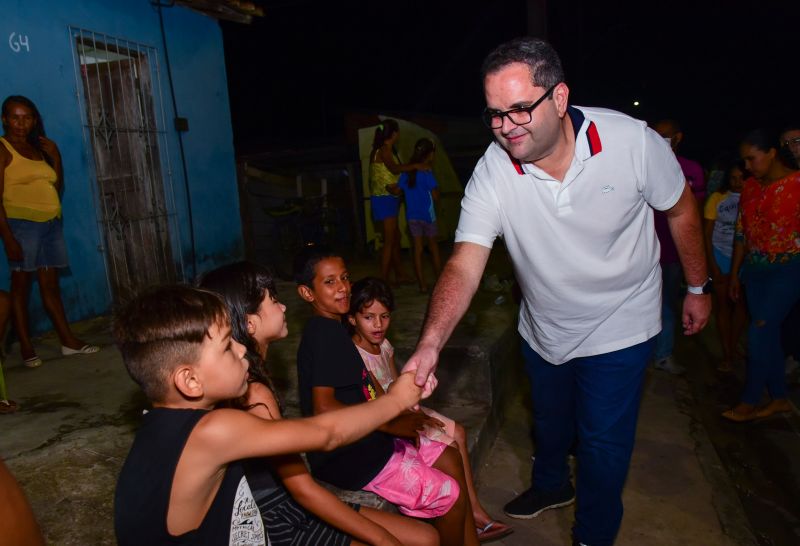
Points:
(607, 188)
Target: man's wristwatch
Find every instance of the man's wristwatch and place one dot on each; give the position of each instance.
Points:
(705, 288)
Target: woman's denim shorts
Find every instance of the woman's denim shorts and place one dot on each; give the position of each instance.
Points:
(42, 244)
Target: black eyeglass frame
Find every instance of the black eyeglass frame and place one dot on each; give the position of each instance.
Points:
(488, 116)
(794, 141)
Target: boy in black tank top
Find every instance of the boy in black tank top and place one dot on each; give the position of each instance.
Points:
(182, 482)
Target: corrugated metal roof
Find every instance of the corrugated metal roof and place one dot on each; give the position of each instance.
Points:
(238, 11)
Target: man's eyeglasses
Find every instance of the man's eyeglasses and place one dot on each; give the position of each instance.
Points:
(791, 142)
(518, 116)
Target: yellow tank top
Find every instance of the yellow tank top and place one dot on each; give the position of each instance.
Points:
(29, 191)
(379, 177)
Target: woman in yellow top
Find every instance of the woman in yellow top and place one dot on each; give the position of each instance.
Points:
(30, 222)
(384, 170)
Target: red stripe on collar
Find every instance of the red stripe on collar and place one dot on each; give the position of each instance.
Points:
(595, 146)
(516, 163)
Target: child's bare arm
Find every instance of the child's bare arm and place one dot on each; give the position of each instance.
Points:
(396, 168)
(226, 435)
(229, 435)
(323, 400)
(406, 425)
(327, 506)
(261, 402)
(392, 367)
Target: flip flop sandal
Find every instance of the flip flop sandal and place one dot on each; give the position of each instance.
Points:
(85, 350)
(494, 530)
(8, 406)
(739, 417)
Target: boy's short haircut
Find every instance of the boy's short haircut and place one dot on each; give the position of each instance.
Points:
(305, 263)
(161, 328)
(368, 290)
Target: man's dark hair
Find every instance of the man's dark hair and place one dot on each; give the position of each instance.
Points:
(539, 55)
(305, 263)
(790, 127)
(162, 328)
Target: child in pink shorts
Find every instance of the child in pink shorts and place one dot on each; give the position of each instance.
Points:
(371, 306)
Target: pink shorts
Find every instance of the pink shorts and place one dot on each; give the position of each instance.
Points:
(409, 481)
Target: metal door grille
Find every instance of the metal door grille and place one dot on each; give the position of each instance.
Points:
(119, 95)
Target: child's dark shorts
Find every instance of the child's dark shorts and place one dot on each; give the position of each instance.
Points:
(421, 228)
(384, 206)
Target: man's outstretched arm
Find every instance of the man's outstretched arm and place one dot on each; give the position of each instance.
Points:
(450, 300)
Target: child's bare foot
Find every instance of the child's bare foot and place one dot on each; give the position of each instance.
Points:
(740, 413)
(492, 530)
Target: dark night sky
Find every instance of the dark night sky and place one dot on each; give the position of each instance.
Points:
(719, 67)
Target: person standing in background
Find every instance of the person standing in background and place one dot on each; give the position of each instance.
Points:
(384, 170)
(672, 274)
(790, 330)
(31, 177)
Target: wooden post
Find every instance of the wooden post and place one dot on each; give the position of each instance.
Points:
(354, 204)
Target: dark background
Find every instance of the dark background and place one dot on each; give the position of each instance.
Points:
(720, 68)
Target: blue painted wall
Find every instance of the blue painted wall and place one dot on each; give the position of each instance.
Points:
(44, 71)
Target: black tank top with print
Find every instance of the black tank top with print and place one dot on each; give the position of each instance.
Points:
(142, 496)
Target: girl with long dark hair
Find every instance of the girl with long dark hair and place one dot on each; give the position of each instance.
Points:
(720, 213)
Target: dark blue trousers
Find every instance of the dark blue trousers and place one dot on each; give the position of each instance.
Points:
(595, 401)
(771, 294)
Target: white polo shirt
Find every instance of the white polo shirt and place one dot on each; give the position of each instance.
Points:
(584, 250)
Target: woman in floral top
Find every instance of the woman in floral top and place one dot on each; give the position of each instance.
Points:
(766, 259)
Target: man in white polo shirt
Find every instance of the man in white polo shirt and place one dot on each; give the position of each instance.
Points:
(571, 191)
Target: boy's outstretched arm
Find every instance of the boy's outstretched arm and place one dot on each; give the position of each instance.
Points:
(406, 425)
(226, 435)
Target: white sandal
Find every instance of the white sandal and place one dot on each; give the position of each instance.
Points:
(85, 350)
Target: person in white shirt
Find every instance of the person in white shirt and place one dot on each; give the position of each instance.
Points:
(571, 192)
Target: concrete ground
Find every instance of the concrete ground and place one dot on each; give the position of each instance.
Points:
(670, 496)
(78, 415)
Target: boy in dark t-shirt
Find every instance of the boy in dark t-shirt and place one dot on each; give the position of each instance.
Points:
(353, 466)
(423, 478)
(183, 482)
